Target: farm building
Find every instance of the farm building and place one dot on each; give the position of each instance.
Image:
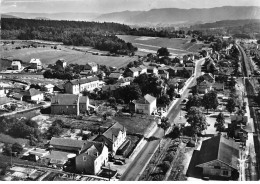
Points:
(218, 157)
(33, 95)
(69, 104)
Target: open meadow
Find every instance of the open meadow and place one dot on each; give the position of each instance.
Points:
(49, 55)
(145, 45)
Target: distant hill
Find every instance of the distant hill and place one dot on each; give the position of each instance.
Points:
(226, 24)
(8, 16)
(182, 16)
(41, 18)
(56, 16)
(156, 17)
(119, 17)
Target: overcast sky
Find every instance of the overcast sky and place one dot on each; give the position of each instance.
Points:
(106, 6)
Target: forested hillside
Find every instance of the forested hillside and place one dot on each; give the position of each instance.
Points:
(97, 35)
(248, 28)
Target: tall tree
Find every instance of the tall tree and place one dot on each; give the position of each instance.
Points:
(165, 124)
(163, 51)
(199, 79)
(220, 122)
(164, 99)
(193, 100)
(210, 100)
(16, 147)
(231, 105)
(197, 120)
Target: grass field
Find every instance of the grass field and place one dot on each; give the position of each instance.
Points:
(10, 140)
(49, 56)
(135, 124)
(176, 46)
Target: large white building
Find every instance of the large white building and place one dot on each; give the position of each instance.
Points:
(78, 85)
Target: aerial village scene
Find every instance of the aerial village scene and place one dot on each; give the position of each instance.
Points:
(123, 97)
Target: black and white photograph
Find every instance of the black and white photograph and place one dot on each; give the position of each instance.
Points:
(130, 90)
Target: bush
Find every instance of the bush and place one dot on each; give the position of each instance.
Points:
(164, 166)
(16, 147)
(7, 149)
(169, 157)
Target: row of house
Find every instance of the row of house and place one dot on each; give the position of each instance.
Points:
(163, 71)
(89, 156)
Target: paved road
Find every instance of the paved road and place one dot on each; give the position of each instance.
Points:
(136, 168)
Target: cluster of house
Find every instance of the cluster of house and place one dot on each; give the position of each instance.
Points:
(34, 65)
(89, 156)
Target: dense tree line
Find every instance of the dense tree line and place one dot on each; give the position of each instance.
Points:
(97, 35)
(154, 33)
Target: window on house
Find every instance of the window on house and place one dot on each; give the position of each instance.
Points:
(216, 167)
(225, 173)
(67, 107)
(84, 158)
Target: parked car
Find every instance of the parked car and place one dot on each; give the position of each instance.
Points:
(118, 162)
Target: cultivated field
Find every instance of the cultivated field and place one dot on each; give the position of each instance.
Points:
(49, 56)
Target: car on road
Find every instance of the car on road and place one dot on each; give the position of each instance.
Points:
(119, 162)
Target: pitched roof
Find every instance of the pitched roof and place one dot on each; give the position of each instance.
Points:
(64, 99)
(32, 92)
(151, 68)
(113, 130)
(208, 75)
(16, 63)
(133, 69)
(83, 81)
(92, 147)
(17, 95)
(67, 142)
(115, 75)
(147, 99)
(60, 86)
(141, 67)
(92, 64)
(219, 148)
